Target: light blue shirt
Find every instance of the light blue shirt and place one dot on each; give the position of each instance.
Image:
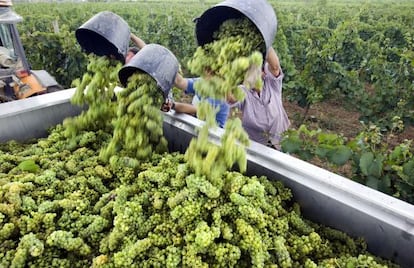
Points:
(224, 107)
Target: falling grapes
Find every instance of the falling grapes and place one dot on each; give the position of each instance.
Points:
(96, 90)
(222, 66)
(138, 126)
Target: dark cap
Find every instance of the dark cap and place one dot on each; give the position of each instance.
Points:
(133, 50)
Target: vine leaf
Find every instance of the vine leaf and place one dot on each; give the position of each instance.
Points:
(339, 156)
(373, 182)
(29, 166)
(408, 169)
(371, 166)
(323, 150)
(291, 144)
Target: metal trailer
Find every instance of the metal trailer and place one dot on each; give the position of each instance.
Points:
(386, 223)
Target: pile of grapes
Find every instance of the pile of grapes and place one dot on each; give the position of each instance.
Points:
(99, 192)
(62, 206)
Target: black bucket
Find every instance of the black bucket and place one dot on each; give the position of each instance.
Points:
(260, 12)
(155, 60)
(105, 34)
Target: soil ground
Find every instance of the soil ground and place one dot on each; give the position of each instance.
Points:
(331, 116)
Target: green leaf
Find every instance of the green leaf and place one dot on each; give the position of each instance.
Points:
(371, 166)
(396, 153)
(305, 155)
(405, 191)
(386, 181)
(385, 185)
(373, 182)
(376, 167)
(340, 155)
(408, 169)
(29, 166)
(365, 162)
(291, 145)
(323, 150)
(328, 138)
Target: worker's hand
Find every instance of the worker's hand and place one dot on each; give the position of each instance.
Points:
(137, 41)
(273, 61)
(167, 106)
(277, 146)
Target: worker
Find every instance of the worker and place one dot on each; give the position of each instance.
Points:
(187, 84)
(263, 115)
(134, 50)
(131, 53)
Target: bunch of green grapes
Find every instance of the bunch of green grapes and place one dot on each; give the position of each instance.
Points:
(223, 65)
(96, 91)
(212, 160)
(138, 126)
(354, 261)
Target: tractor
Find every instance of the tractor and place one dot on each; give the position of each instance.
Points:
(17, 79)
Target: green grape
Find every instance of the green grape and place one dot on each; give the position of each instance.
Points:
(137, 138)
(65, 240)
(97, 91)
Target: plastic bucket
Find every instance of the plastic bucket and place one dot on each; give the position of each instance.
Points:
(155, 60)
(105, 34)
(260, 12)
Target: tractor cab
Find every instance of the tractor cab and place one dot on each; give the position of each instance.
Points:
(17, 80)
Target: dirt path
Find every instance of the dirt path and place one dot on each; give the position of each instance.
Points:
(331, 116)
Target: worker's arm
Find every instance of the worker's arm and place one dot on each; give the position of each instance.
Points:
(137, 41)
(273, 61)
(187, 108)
(179, 107)
(186, 84)
(181, 82)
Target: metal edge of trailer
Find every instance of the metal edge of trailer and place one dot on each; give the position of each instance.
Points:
(28, 118)
(386, 223)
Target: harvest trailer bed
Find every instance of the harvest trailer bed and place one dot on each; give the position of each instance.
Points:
(386, 223)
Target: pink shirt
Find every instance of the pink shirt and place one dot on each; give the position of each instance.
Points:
(264, 117)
